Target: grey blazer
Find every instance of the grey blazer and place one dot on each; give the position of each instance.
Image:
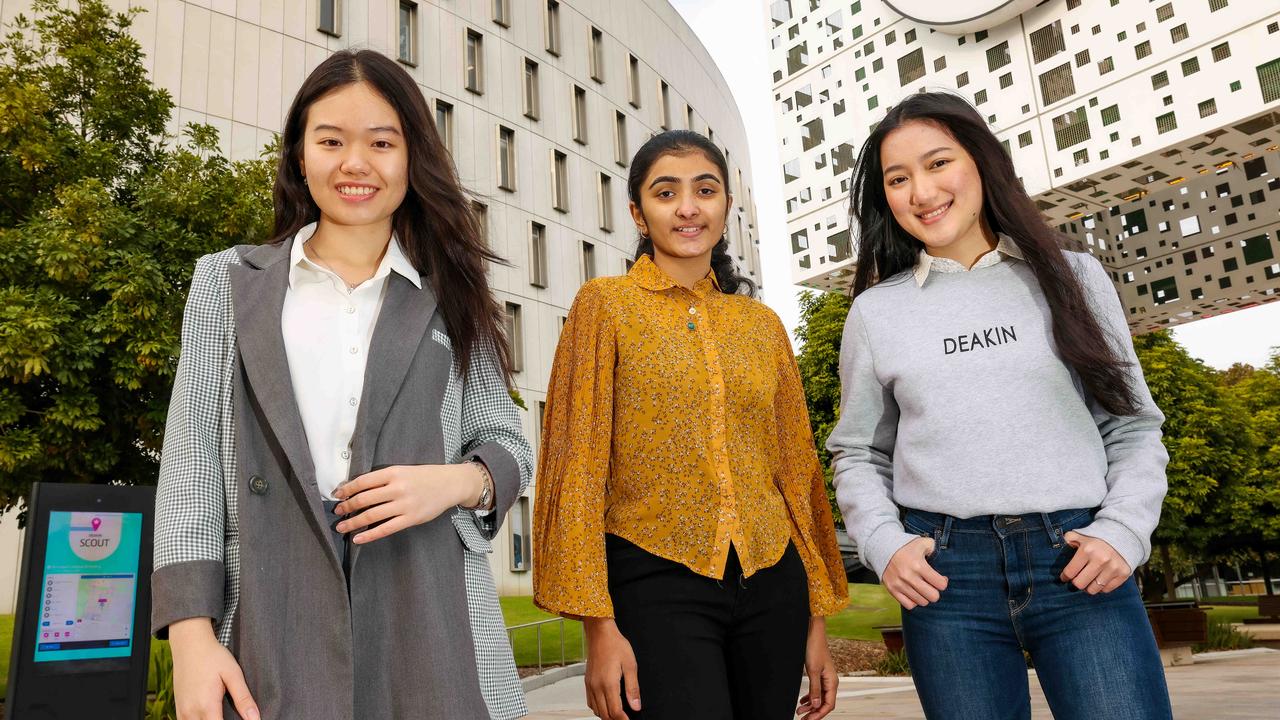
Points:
(242, 537)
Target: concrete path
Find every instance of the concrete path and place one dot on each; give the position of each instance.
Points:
(1238, 685)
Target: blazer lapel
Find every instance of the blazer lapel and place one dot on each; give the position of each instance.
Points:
(402, 324)
(258, 289)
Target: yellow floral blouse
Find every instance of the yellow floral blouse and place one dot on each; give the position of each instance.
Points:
(675, 419)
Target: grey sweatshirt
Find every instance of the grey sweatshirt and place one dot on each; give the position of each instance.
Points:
(954, 400)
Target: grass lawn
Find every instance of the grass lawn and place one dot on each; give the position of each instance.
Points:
(6, 635)
(1231, 613)
(869, 606)
(519, 610)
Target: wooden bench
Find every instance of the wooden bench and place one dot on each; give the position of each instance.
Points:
(1268, 611)
(1177, 626)
(892, 635)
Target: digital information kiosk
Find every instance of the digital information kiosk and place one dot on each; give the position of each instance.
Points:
(81, 631)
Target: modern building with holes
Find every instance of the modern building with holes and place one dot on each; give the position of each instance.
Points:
(542, 103)
(1146, 130)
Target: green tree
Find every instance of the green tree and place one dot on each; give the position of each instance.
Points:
(1211, 450)
(822, 318)
(101, 220)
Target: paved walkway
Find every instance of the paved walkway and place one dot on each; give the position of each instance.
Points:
(1239, 685)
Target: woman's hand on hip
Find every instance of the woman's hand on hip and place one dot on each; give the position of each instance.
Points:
(910, 579)
(610, 659)
(821, 669)
(204, 672)
(402, 496)
(1096, 567)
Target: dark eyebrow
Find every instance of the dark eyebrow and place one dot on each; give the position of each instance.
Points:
(670, 179)
(381, 128)
(934, 151)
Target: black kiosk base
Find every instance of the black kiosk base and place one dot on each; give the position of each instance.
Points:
(81, 632)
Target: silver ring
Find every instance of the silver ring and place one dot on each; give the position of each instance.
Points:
(1098, 582)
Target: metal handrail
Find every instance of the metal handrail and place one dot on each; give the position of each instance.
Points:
(538, 625)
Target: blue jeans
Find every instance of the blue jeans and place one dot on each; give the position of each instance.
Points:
(1095, 655)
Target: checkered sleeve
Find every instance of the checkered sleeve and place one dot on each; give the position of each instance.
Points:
(492, 434)
(191, 515)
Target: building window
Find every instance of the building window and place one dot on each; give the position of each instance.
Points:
(1159, 80)
(515, 336)
(518, 521)
(407, 30)
(1047, 41)
(688, 117)
(531, 92)
(506, 158)
(1106, 65)
(1024, 139)
(1057, 84)
(1179, 33)
(940, 64)
(537, 254)
(911, 66)
(1164, 12)
(1216, 5)
(1082, 58)
(1268, 79)
(980, 97)
(579, 115)
(596, 55)
(1221, 52)
(551, 27)
(1166, 123)
(1110, 115)
(621, 153)
(1208, 107)
(797, 58)
(633, 80)
(560, 181)
(1006, 80)
(502, 12)
(1071, 128)
(812, 134)
(444, 124)
(330, 22)
(588, 261)
(1142, 49)
(962, 79)
(481, 211)
(475, 62)
(998, 56)
(605, 202)
(664, 100)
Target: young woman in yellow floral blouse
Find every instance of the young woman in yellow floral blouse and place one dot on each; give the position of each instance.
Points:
(681, 511)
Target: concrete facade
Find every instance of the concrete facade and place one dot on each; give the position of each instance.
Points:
(1146, 130)
(606, 76)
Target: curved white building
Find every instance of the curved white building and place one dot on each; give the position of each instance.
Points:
(543, 103)
(1146, 129)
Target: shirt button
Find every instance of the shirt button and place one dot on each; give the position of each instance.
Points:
(354, 350)
(352, 402)
(351, 310)
(693, 310)
(345, 454)
(257, 485)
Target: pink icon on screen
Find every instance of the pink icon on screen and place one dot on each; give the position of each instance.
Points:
(46, 635)
(57, 634)
(97, 523)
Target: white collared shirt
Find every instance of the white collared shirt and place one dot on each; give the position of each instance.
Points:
(927, 263)
(327, 329)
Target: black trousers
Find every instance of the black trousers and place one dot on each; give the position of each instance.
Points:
(730, 649)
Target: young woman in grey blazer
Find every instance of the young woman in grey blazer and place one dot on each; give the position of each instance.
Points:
(341, 444)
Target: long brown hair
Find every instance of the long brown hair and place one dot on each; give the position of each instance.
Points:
(886, 249)
(440, 233)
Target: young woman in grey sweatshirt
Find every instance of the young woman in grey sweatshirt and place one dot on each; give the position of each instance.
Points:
(998, 456)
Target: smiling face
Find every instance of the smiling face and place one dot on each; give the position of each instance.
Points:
(683, 206)
(354, 157)
(934, 190)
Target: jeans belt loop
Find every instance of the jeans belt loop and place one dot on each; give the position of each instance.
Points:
(946, 531)
(1055, 532)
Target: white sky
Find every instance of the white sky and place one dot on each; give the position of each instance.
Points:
(734, 32)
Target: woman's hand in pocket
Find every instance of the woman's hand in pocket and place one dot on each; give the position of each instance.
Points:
(610, 661)
(1096, 567)
(910, 579)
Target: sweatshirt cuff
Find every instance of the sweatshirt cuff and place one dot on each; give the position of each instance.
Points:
(881, 546)
(1121, 538)
(186, 590)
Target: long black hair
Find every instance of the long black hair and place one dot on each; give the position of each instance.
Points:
(886, 249)
(681, 142)
(440, 233)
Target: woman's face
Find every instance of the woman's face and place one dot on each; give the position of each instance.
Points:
(683, 205)
(934, 188)
(354, 157)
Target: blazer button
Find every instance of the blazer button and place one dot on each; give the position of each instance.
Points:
(257, 485)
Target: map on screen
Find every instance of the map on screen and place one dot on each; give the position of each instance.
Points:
(89, 586)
